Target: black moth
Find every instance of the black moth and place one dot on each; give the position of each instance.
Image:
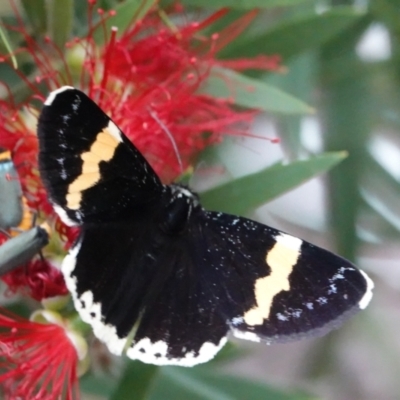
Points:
(158, 277)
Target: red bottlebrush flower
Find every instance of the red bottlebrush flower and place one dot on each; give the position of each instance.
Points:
(39, 279)
(150, 80)
(162, 74)
(3, 237)
(37, 361)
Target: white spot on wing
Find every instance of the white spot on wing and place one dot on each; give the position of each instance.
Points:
(281, 317)
(296, 313)
(145, 350)
(322, 300)
(368, 293)
(237, 320)
(332, 289)
(76, 103)
(89, 310)
(246, 335)
(68, 265)
(290, 242)
(289, 314)
(54, 93)
(61, 162)
(114, 131)
(63, 215)
(65, 119)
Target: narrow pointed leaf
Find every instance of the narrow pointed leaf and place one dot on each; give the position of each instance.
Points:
(60, 18)
(381, 192)
(296, 35)
(5, 42)
(202, 384)
(97, 385)
(136, 381)
(251, 191)
(348, 112)
(252, 93)
(300, 82)
(35, 11)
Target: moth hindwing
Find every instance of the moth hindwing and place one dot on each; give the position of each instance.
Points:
(162, 279)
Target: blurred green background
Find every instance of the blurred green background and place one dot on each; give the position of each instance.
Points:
(338, 93)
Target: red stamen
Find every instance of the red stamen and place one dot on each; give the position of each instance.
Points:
(38, 361)
(107, 61)
(38, 279)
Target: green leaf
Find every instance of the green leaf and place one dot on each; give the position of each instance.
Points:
(387, 13)
(348, 111)
(126, 13)
(35, 11)
(244, 4)
(373, 227)
(136, 381)
(300, 82)
(227, 354)
(201, 384)
(382, 192)
(60, 18)
(7, 44)
(98, 385)
(297, 34)
(251, 191)
(252, 93)
(19, 308)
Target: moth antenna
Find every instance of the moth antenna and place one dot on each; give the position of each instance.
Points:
(154, 115)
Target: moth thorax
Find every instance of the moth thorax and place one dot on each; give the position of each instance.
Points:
(180, 204)
(180, 191)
